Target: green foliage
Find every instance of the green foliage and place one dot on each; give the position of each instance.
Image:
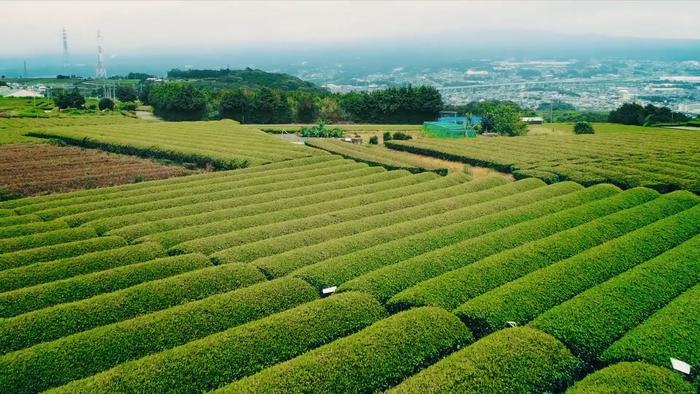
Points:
(54, 363)
(58, 251)
(37, 240)
(9, 229)
(504, 119)
(306, 110)
(405, 104)
(593, 320)
(320, 131)
(386, 136)
(49, 271)
(514, 360)
(371, 360)
(235, 103)
(177, 101)
(373, 140)
(126, 92)
(583, 128)
(632, 378)
(670, 332)
(127, 106)
(528, 296)
(635, 114)
(13, 303)
(72, 99)
(221, 358)
(248, 78)
(105, 104)
(401, 136)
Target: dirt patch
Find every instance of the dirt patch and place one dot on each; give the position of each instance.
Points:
(32, 169)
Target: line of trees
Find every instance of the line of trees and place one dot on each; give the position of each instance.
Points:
(636, 114)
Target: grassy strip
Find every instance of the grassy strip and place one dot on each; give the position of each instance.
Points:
(371, 360)
(70, 318)
(633, 377)
(38, 273)
(59, 251)
(84, 354)
(15, 220)
(414, 207)
(437, 153)
(6, 212)
(390, 280)
(18, 230)
(13, 303)
(593, 320)
(618, 215)
(515, 360)
(525, 298)
(670, 332)
(221, 358)
(173, 226)
(469, 222)
(59, 236)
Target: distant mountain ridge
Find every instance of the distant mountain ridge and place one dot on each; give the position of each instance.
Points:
(248, 77)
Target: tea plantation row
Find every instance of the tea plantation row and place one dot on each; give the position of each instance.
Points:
(214, 282)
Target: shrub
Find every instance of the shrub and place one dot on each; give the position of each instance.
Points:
(177, 101)
(401, 136)
(617, 216)
(583, 128)
(321, 131)
(70, 318)
(594, 319)
(386, 136)
(371, 360)
(373, 140)
(221, 358)
(523, 299)
(77, 356)
(105, 104)
(80, 287)
(37, 240)
(632, 377)
(514, 360)
(13, 220)
(390, 280)
(670, 332)
(43, 272)
(59, 251)
(29, 228)
(127, 106)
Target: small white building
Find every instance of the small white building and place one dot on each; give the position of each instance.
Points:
(24, 93)
(532, 120)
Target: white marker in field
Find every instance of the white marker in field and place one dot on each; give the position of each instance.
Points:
(329, 290)
(512, 323)
(680, 366)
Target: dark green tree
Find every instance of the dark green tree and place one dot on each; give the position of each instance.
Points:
(72, 99)
(234, 104)
(126, 93)
(105, 103)
(306, 109)
(583, 128)
(177, 101)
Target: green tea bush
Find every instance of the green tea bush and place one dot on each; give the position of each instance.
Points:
(670, 332)
(30, 228)
(386, 136)
(373, 140)
(61, 361)
(388, 281)
(401, 136)
(594, 319)
(632, 378)
(34, 274)
(80, 287)
(455, 226)
(70, 318)
(37, 240)
(221, 358)
(625, 212)
(514, 360)
(59, 251)
(371, 360)
(583, 128)
(525, 298)
(6, 212)
(15, 220)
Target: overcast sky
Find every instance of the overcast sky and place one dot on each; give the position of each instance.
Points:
(32, 28)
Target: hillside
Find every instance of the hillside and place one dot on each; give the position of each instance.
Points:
(250, 78)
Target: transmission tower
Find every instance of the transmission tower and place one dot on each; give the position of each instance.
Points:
(64, 37)
(100, 70)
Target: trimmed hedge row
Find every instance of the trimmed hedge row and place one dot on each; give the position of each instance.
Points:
(523, 299)
(422, 200)
(221, 358)
(70, 318)
(6, 212)
(371, 360)
(594, 319)
(478, 204)
(80, 287)
(514, 360)
(84, 354)
(38, 273)
(619, 215)
(388, 281)
(91, 195)
(59, 251)
(18, 219)
(468, 222)
(670, 332)
(18, 230)
(140, 224)
(633, 378)
(60, 236)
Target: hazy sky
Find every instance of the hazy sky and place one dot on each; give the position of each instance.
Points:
(30, 28)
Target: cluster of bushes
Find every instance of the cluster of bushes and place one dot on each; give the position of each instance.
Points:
(501, 117)
(583, 128)
(321, 131)
(177, 101)
(399, 136)
(636, 114)
(371, 360)
(224, 357)
(59, 251)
